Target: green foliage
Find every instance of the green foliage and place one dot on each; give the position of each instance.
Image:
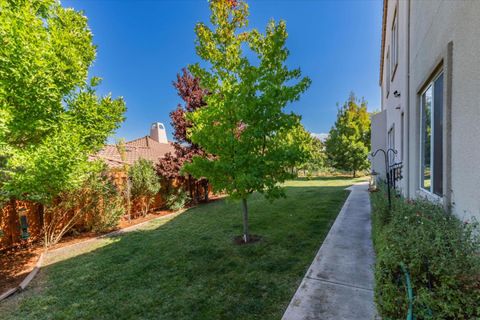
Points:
(107, 204)
(419, 234)
(72, 206)
(186, 267)
(244, 124)
(316, 157)
(144, 182)
(51, 119)
(348, 144)
(177, 199)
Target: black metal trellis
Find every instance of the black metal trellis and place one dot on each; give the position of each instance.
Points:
(387, 170)
(395, 174)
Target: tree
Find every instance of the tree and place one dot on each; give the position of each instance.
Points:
(348, 144)
(169, 167)
(316, 158)
(244, 124)
(51, 116)
(145, 183)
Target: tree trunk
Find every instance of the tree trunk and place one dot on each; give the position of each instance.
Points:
(197, 192)
(129, 206)
(354, 173)
(246, 232)
(13, 219)
(205, 188)
(190, 189)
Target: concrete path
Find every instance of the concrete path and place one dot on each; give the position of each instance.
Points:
(339, 283)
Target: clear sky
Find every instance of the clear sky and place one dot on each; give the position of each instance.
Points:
(142, 45)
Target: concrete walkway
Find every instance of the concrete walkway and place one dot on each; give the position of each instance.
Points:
(339, 283)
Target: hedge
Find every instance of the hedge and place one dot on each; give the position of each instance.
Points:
(439, 252)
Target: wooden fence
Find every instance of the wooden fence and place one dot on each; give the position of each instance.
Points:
(12, 214)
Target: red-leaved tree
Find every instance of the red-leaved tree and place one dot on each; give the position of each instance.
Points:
(169, 167)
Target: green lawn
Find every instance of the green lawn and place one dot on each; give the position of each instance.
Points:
(188, 267)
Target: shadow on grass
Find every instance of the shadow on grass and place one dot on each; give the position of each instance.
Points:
(189, 267)
(330, 178)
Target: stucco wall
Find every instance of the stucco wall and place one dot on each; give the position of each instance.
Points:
(378, 141)
(434, 24)
(393, 105)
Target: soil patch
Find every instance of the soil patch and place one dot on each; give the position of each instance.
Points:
(238, 240)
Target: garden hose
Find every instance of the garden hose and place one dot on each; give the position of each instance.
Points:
(409, 292)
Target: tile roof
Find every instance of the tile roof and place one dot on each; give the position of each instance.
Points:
(141, 148)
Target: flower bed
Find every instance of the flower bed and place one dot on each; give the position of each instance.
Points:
(440, 255)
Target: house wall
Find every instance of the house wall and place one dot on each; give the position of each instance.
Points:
(396, 105)
(445, 34)
(437, 36)
(378, 141)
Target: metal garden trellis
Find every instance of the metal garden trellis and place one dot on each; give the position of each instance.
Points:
(387, 169)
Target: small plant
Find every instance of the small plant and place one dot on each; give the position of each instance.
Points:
(177, 199)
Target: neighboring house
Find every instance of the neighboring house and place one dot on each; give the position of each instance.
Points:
(152, 147)
(430, 79)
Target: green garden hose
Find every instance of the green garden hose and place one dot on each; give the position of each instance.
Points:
(409, 292)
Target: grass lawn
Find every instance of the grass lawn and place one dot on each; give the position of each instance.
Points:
(189, 267)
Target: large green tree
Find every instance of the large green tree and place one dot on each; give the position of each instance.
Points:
(51, 118)
(244, 123)
(348, 144)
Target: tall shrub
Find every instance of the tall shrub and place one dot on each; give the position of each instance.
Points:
(145, 183)
(97, 200)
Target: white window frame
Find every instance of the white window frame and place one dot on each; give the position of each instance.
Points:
(428, 193)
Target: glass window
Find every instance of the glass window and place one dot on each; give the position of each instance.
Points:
(387, 87)
(391, 144)
(394, 39)
(432, 137)
(402, 133)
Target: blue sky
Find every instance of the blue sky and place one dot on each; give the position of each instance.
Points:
(142, 45)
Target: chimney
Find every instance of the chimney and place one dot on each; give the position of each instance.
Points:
(158, 132)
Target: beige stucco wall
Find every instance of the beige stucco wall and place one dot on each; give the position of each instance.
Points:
(434, 24)
(378, 141)
(437, 35)
(395, 106)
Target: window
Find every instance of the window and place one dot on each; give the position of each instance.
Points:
(394, 40)
(431, 135)
(387, 78)
(391, 144)
(402, 134)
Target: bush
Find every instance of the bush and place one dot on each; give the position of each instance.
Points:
(107, 205)
(177, 199)
(440, 254)
(145, 183)
(109, 215)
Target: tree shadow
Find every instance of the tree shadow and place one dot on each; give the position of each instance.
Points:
(189, 267)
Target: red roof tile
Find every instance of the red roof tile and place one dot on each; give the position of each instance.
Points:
(141, 148)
